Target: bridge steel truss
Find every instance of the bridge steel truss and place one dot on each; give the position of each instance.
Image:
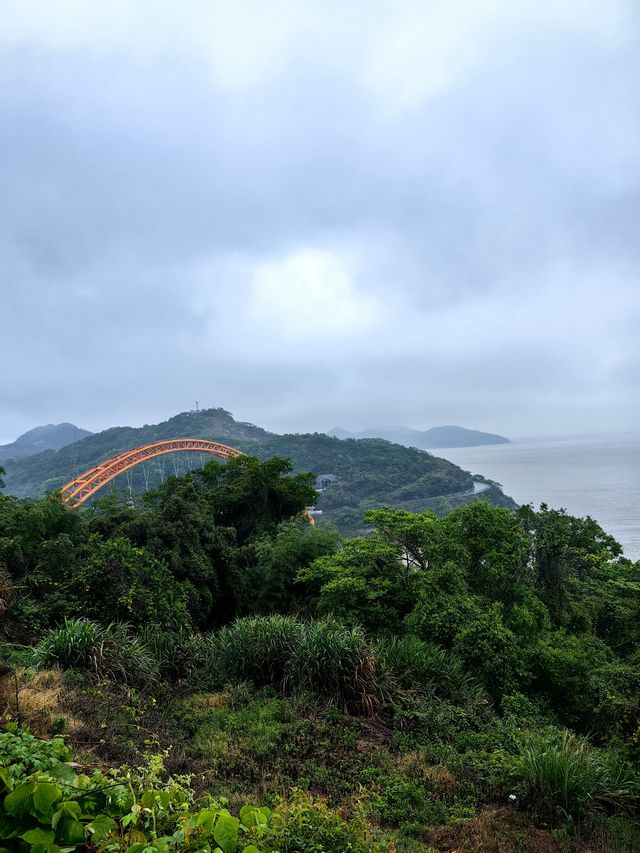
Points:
(83, 487)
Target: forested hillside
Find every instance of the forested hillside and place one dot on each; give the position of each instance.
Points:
(368, 472)
(207, 671)
(45, 472)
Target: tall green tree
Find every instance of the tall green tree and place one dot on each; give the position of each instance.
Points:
(117, 582)
(366, 582)
(278, 559)
(254, 497)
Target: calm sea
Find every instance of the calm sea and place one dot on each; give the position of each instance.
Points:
(596, 477)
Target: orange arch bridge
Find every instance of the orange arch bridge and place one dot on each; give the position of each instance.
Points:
(87, 484)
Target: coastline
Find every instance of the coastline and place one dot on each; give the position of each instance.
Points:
(595, 476)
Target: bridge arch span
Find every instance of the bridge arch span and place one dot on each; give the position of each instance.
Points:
(77, 491)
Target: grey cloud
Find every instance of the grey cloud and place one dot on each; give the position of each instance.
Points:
(125, 174)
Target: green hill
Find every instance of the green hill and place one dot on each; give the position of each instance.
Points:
(47, 437)
(361, 473)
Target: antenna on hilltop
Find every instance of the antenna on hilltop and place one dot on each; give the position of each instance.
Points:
(197, 407)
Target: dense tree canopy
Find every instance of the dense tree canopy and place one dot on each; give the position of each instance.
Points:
(536, 602)
(184, 558)
(462, 632)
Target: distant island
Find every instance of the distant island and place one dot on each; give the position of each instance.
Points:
(47, 437)
(428, 439)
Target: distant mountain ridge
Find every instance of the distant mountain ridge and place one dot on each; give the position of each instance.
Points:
(365, 473)
(439, 437)
(47, 437)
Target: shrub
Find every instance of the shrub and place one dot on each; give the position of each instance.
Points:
(230, 739)
(74, 644)
(255, 649)
(338, 664)
(173, 651)
(324, 657)
(365, 583)
(418, 665)
(116, 581)
(490, 649)
(24, 754)
(110, 652)
(305, 825)
(564, 772)
(12, 656)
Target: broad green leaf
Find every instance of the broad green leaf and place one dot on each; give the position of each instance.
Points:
(70, 831)
(19, 800)
(44, 796)
(148, 799)
(68, 808)
(38, 836)
(101, 826)
(41, 840)
(206, 819)
(5, 778)
(225, 832)
(157, 846)
(164, 798)
(250, 849)
(253, 816)
(9, 827)
(247, 815)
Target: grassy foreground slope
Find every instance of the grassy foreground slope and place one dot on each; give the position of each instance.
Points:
(369, 472)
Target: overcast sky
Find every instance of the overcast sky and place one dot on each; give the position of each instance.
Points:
(321, 213)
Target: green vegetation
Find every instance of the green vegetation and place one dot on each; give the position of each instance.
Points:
(54, 809)
(207, 671)
(111, 652)
(369, 472)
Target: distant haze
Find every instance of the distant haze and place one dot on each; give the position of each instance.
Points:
(47, 437)
(432, 438)
(321, 213)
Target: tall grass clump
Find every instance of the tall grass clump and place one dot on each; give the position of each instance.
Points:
(175, 652)
(74, 645)
(337, 663)
(111, 652)
(257, 649)
(414, 665)
(323, 657)
(565, 773)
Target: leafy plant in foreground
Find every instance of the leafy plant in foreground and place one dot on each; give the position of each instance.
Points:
(59, 811)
